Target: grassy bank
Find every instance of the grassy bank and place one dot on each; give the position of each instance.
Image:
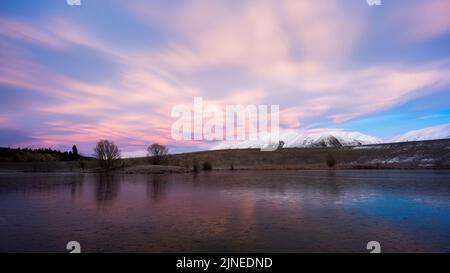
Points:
(408, 155)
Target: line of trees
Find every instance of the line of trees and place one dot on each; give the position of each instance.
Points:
(105, 151)
(38, 155)
(108, 153)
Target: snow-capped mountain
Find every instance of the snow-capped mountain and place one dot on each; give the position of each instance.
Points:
(333, 139)
(429, 133)
(294, 139)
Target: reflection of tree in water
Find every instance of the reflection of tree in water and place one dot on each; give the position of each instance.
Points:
(108, 187)
(76, 184)
(43, 183)
(333, 186)
(156, 186)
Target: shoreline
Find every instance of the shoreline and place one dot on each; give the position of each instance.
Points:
(158, 169)
(418, 155)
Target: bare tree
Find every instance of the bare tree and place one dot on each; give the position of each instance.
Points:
(107, 153)
(157, 153)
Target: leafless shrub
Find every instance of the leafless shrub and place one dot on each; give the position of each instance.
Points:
(207, 166)
(157, 153)
(330, 161)
(195, 167)
(82, 164)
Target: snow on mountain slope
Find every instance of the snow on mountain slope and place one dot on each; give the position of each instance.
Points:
(429, 133)
(344, 138)
(293, 140)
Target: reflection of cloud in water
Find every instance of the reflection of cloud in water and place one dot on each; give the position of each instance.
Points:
(282, 211)
(415, 216)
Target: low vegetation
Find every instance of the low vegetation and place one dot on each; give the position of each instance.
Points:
(330, 161)
(195, 167)
(408, 155)
(207, 166)
(157, 154)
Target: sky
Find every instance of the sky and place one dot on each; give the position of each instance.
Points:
(114, 70)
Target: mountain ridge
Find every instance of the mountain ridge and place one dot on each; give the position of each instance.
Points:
(304, 140)
(427, 133)
(334, 138)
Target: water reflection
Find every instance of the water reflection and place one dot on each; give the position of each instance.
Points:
(333, 184)
(30, 182)
(76, 184)
(107, 189)
(157, 186)
(267, 211)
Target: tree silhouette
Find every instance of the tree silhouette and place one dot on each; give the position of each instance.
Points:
(107, 153)
(330, 161)
(75, 151)
(157, 153)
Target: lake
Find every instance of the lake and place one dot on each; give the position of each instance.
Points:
(225, 211)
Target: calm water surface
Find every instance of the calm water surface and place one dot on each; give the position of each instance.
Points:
(265, 211)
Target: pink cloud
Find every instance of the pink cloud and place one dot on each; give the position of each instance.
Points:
(292, 52)
(422, 20)
(24, 31)
(5, 121)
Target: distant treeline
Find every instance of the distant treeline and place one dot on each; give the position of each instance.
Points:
(40, 155)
